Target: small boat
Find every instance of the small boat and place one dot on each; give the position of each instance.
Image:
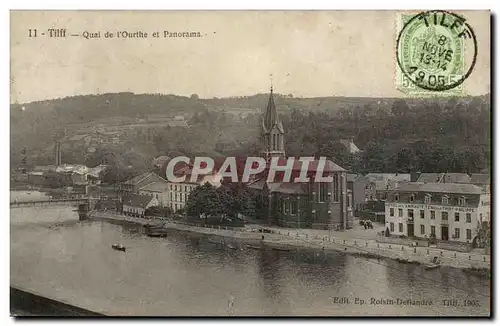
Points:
(254, 247)
(280, 249)
(156, 233)
(435, 263)
(118, 247)
(215, 242)
(158, 230)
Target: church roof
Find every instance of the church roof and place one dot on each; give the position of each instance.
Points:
(271, 117)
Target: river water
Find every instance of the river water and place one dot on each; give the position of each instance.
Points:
(55, 255)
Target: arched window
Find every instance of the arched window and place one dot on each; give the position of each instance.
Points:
(336, 187)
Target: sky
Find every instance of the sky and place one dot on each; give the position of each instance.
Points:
(308, 53)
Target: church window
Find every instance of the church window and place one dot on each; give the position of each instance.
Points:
(323, 192)
(336, 188)
(293, 207)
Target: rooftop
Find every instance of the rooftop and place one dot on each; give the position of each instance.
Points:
(137, 200)
(388, 177)
(137, 179)
(456, 188)
(480, 178)
(155, 186)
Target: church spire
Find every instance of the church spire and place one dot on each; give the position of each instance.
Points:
(272, 129)
(271, 117)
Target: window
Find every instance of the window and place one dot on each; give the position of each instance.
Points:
(481, 217)
(433, 215)
(469, 234)
(175, 187)
(410, 213)
(323, 192)
(156, 196)
(422, 213)
(391, 212)
(427, 199)
(444, 200)
(349, 201)
(171, 196)
(285, 206)
(461, 201)
(457, 233)
(433, 230)
(293, 207)
(400, 212)
(396, 197)
(457, 217)
(422, 229)
(336, 187)
(444, 216)
(412, 197)
(467, 217)
(401, 227)
(392, 227)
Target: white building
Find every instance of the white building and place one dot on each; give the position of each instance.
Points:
(157, 190)
(452, 212)
(136, 205)
(179, 191)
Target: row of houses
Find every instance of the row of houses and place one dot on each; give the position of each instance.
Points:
(149, 189)
(375, 186)
(450, 207)
(76, 174)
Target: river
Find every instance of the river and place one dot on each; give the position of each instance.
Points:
(55, 255)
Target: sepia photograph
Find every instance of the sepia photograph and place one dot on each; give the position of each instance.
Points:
(285, 163)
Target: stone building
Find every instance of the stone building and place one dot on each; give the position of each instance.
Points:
(319, 205)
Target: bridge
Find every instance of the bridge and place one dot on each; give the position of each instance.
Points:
(50, 202)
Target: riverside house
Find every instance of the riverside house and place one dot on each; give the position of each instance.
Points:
(449, 212)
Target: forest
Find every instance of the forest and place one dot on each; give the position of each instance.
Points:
(395, 135)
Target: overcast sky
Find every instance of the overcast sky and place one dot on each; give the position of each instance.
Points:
(342, 53)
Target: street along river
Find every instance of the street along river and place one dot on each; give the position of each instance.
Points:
(55, 255)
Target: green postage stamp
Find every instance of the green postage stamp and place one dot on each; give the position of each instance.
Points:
(436, 52)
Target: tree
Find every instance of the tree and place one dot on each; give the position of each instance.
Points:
(225, 201)
(204, 200)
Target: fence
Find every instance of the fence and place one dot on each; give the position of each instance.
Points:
(367, 246)
(403, 241)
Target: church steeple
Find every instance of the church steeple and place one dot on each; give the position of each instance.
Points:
(272, 130)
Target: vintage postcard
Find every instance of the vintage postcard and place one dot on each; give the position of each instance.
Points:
(250, 163)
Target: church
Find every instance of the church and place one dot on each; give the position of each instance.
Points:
(317, 205)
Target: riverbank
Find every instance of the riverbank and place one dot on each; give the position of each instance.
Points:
(477, 264)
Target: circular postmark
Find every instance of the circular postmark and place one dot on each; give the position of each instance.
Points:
(436, 50)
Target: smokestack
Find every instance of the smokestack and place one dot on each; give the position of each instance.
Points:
(58, 153)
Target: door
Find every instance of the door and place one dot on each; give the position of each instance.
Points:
(444, 233)
(410, 229)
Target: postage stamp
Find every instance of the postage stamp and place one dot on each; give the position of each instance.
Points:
(436, 52)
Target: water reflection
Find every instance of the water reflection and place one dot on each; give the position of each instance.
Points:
(185, 274)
